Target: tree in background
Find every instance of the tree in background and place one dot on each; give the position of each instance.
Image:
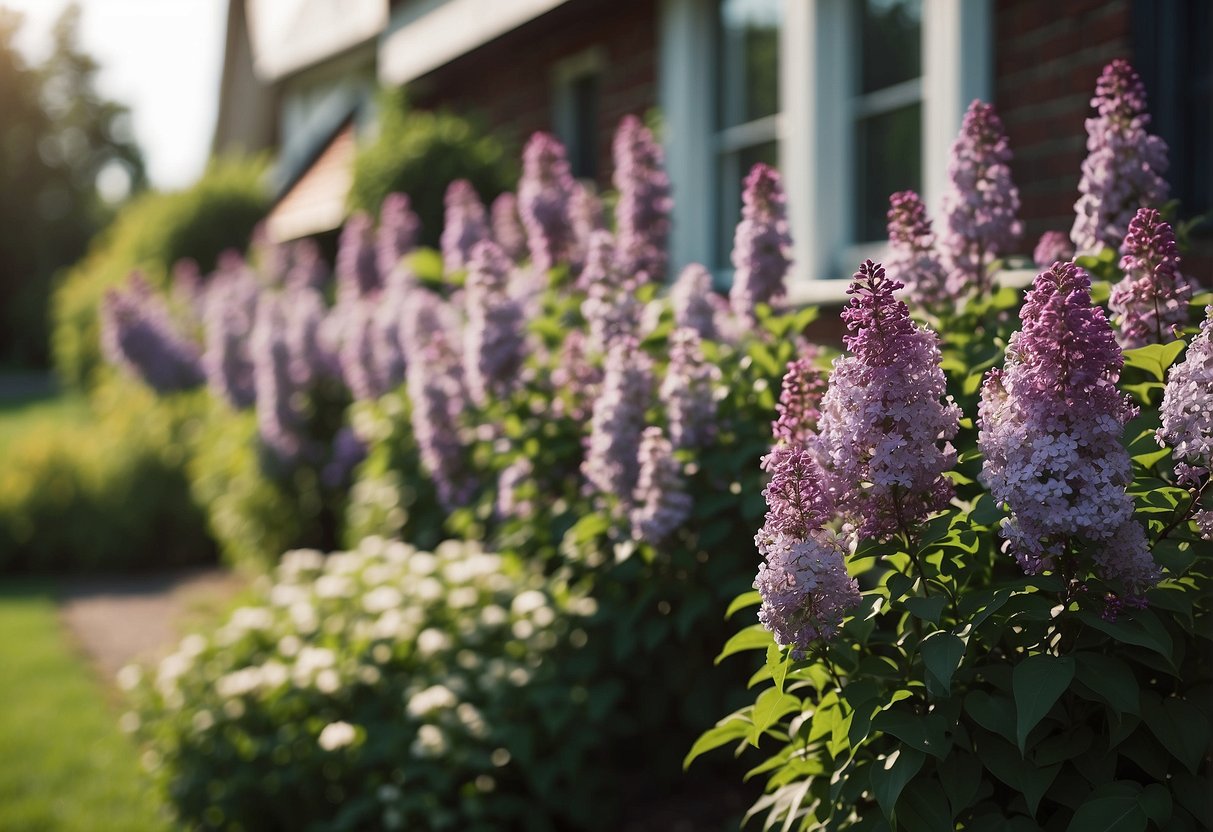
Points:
(59, 138)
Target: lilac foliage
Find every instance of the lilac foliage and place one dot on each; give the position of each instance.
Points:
(495, 337)
(465, 224)
(886, 424)
(544, 193)
(1050, 429)
(1124, 167)
(611, 464)
(1150, 304)
(1053, 247)
(642, 213)
(762, 244)
(981, 204)
(913, 259)
(660, 501)
(139, 335)
(688, 391)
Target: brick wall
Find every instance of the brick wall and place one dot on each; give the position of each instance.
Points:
(508, 83)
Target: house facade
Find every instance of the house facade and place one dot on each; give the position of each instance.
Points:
(851, 99)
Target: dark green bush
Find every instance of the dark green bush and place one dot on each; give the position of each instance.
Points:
(418, 153)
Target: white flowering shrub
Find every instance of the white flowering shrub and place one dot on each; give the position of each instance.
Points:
(380, 688)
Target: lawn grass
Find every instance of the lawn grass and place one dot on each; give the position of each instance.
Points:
(65, 765)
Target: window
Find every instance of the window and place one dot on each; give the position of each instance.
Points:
(576, 98)
(747, 105)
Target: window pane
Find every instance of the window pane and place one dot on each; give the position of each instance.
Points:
(583, 150)
(734, 167)
(888, 153)
(890, 44)
(749, 60)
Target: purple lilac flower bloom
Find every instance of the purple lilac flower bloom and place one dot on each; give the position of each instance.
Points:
(981, 204)
(509, 504)
(1187, 403)
(495, 337)
(762, 245)
(1053, 247)
(189, 289)
(691, 299)
(660, 502)
(357, 268)
(913, 259)
(1050, 428)
(399, 229)
(230, 307)
(355, 353)
(586, 217)
(575, 379)
(466, 224)
(1150, 304)
(507, 227)
(1124, 167)
(610, 307)
(347, 452)
(886, 425)
(138, 334)
(799, 405)
(688, 391)
(798, 498)
(642, 214)
(281, 421)
(544, 193)
(268, 257)
(805, 590)
(611, 465)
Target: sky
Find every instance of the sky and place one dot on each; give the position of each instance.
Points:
(162, 58)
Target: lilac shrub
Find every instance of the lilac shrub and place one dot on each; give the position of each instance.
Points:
(1150, 304)
(1124, 167)
(981, 204)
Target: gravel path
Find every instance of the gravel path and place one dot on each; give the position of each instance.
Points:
(138, 618)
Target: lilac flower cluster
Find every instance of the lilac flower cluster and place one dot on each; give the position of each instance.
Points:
(660, 502)
(509, 504)
(799, 405)
(805, 590)
(981, 204)
(464, 225)
(586, 217)
(1150, 304)
(1053, 247)
(1187, 412)
(228, 317)
(575, 379)
(280, 418)
(611, 464)
(886, 425)
(610, 308)
(1050, 428)
(347, 452)
(798, 497)
(1124, 167)
(762, 244)
(399, 229)
(544, 193)
(642, 214)
(688, 391)
(495, 338)
(691, 299)
(913, 260)
(357, 260)
(507, 227)
(138, 334)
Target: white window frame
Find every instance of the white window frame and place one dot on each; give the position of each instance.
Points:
(815, 124)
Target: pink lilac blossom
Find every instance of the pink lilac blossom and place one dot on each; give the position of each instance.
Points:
(585, 214)
(1053, 247)
(886, 423)
(509, 482)
(229, 310)
(611, 465)
(575, 379)
(1050, 426)
(495, 337)
(799, 405)
(688, 391)
(310, 361)
(1187, 403)
(398, 232)
(642, 212)
(139, 335)
(544, 193)
(805, 590)
(610, 308)
(1124, 167)
(981, 204)
(660, 502)
(913, 258)
(355, 354)
(762, 244)
(507, 227)
(1150, 305)
(281, 421)
(357, 267)
(466, 224)
(798, 498)
(691, 300)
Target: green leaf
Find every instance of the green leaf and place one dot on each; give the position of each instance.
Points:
(754, 637)
(928, 609)
(923, 807)
(890, 775)
(589, 527)
(731, 728)
(1180, 727)
(1156, 803)
(960, 776)
(1110, 679)
(745, 599)
(1113, 813)
(1154, 358)
(1037, 682)
(771, 705)
(994, 713)
(1002, 761)
(920, 732)
(941, 653)
(1141, 628)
